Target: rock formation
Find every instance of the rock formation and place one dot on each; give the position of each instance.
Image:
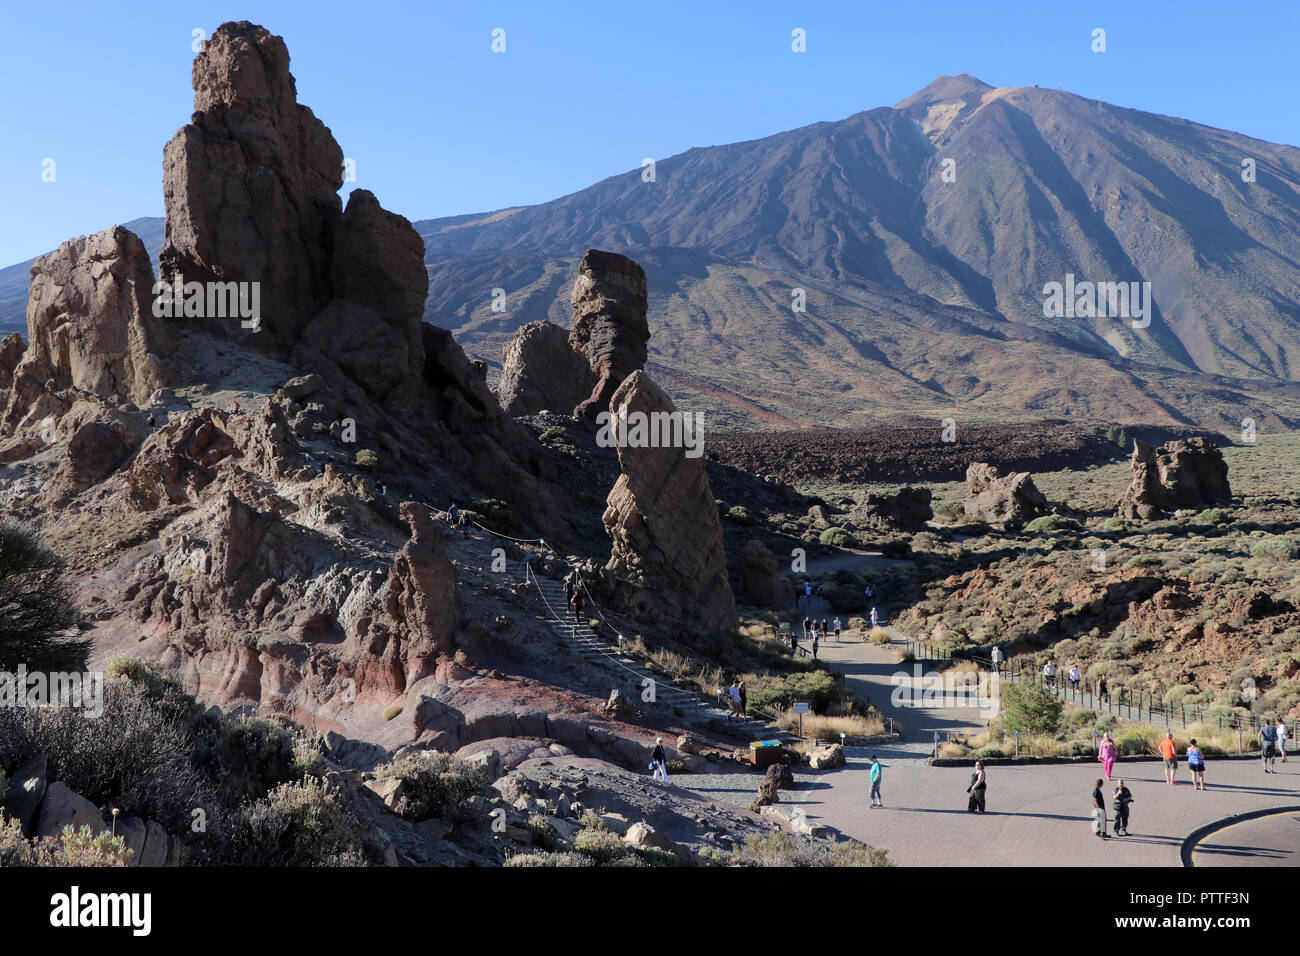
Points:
(541, 372)
(664, 523)
(90, 321)
(993, 497)
(906, 510)
(756, 579)
(1187, 473)
(609, 323)
(251, 183)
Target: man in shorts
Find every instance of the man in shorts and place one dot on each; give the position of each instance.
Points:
(1169, 750)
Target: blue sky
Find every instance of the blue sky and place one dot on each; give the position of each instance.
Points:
(439, 125)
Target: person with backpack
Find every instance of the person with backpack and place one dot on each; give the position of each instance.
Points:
(1268, 745)
(658, 761)
(1123, 797)
(576, 604)
(1107, 754)
(977, 789)
(1196, 764)
(1098, 811)
(877, 773)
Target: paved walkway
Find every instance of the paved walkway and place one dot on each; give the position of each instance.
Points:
(1037, 815)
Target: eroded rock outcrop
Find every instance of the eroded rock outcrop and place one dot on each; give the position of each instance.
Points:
(541, 372)
(1188, 473)
(756, 579)
(90, 321)
(993, 497)
(251, 183)
(664, 523)
(908, 509)
(609, 323)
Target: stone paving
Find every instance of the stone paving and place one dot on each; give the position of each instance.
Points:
(1037, 815)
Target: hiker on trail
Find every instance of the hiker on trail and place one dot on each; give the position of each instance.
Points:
(875, 618)
(807, 625)
(568, 591)
(868, 592)
(1196, 764)
(1107, 754)
(1281, 738)
(383, 490)
(977, 788)
(814, 649)
(234, 409)
(733, 698)
(807, 591)
(453, 515)
(996, 658)
(825, 627)
(658, 761)
(1169, 750)
(876, 774)
(576, 602)
(1049, 674)
(744, 699)
(1074, 676)
(1103, 690)
(1098, 811)
(152, 420)
(1122, 798)
(464, 525)
(836, 624)
(1268, 745)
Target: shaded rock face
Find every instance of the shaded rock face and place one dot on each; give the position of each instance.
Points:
(1179, 474)
(993, 497)
(906, 510)
(664, 524)
(251, 184)
(90, 323)
(755, 577)
(541, 372)
(609, 323)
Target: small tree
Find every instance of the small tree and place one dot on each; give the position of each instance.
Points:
(37, 612)
(1030, 710)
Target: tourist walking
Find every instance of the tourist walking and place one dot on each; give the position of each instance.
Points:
(877, 773)
(807, 592)
(1281, 739)
(568, 591)
(658, 761)
(807, 626)
(825, 628)
(1107, 754)
(744, 699)
(996, 658)
(1268, 745)
(978, 787)
(1196, 764)
(1122, 798)
(1098, 810)
(733, 695)
(1049, 674)
(576, 604)
(1074, 676)
(814, 649)
(1103, 690)
(875, 618)
(1169, 750)
(836, 625)
(453, 515)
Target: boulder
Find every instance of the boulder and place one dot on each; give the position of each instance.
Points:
(27, 786)
(826, 758)
(61, 808)
(643, 835)
(906, 510)
(688, 744)
(541, 372)
(1188, 473)
(388, 789)
(756, 579)
(664, 524)
(12, 348)
(609, 324)
(619, 706)
(781, 775)
(992, 497)
(157, 845)
(301, 386)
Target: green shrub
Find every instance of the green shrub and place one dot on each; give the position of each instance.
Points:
(1052, 523)
(1142, 561)
(1030, 710)
(526, 860)
(1275, 548)
(740, 515)
(436, 784)
(543, 832)
(494, 514)
(367, 459)
(1215, 516)
(552, 433)
(602, 846)
(837, 538)
(303, 824)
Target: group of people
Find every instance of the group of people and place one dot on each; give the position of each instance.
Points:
(573, 598)
(1073, 677)
(458, 519)
(737, 698)
(816, 631)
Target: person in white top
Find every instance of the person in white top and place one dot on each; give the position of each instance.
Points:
(1281, 739)
(1049, 672)
(875, 618)
(996, 657)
